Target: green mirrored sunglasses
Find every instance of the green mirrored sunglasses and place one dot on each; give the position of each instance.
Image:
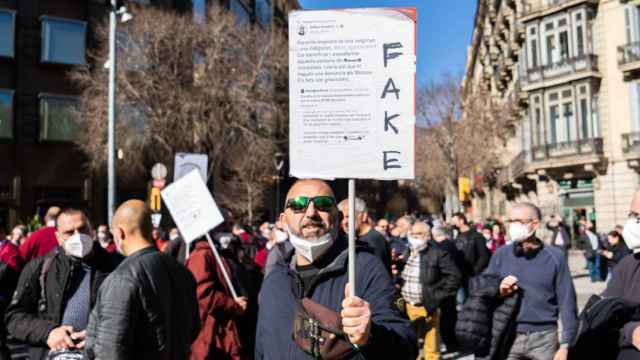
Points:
(320, 203)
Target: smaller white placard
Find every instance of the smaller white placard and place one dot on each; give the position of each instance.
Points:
(185, 162)
(156, 219)
(192, 207)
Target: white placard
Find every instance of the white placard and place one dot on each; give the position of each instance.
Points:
(352, 93)
(192, 207)
(184, 163)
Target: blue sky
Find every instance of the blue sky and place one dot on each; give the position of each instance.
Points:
(444, 31)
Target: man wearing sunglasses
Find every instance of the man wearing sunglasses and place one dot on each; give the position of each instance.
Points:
(625, 281)
(318, 271)
(540, 275)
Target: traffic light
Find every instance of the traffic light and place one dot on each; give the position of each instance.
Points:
(155, 202)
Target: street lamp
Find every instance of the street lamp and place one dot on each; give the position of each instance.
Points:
(278, 163)
(114, 11)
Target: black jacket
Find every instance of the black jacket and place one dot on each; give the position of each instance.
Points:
(29, 323)
(476, 255)
(599, 329)
(486, 323)
(146, 309)
(8, 282)
(379, 245)
(439, 275)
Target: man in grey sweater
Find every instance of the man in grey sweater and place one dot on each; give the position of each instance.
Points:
(541, 274)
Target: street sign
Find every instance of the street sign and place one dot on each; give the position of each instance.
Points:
(155, 220)
(185, 163)
(155, 202)
(159, 171)
(159, 183)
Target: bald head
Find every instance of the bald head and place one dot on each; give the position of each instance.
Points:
(134, 217)
(310, 187)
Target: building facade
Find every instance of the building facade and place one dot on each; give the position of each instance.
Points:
(40, 42)
(573, 72)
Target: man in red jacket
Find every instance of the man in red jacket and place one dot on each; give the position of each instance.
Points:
(218, 337)
(43, 240)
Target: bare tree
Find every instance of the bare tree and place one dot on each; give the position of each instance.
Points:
(464, 132)
(215, 87)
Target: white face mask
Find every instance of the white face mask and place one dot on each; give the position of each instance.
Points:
(281, 236)
(311, 250)
(78, 245)
(519, 232)
(416, 242)
(631, 234)
(173, 237)
(102, 237)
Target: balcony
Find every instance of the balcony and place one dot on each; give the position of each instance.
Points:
(565, 70)
(629, 60)
(631, 143)
(568, 153)
(539, 8)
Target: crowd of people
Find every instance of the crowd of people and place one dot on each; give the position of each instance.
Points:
(423, 286)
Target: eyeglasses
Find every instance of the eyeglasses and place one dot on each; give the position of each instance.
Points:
(520, 221)
(321, 203)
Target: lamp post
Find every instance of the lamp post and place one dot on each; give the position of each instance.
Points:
(111, 128)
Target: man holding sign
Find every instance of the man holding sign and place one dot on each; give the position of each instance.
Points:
(316, 279)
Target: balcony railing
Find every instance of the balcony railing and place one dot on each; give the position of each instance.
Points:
(581, 147)
(567, 66)
(629, 53)
(631, 143)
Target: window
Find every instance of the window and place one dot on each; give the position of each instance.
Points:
(263, 11)
(243, 17)
(584, 120)
(595, 122)
(533, 63)
(551, 46)
(564, 45)
(63, 41)
(7, 32)
(6, 114)
(568, 121)
(537, 128)
(580, 41)
(553, 124)
(57, 122)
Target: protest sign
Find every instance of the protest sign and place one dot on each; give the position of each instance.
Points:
(192, 207)
(195, 213)
(352, 93)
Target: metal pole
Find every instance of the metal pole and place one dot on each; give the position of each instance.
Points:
(278, 196)
(352, 238)
(111, 156)
(222, 268)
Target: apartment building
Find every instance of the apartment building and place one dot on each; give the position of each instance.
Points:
(573, 73)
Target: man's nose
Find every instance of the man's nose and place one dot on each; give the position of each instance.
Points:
(311, 210)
